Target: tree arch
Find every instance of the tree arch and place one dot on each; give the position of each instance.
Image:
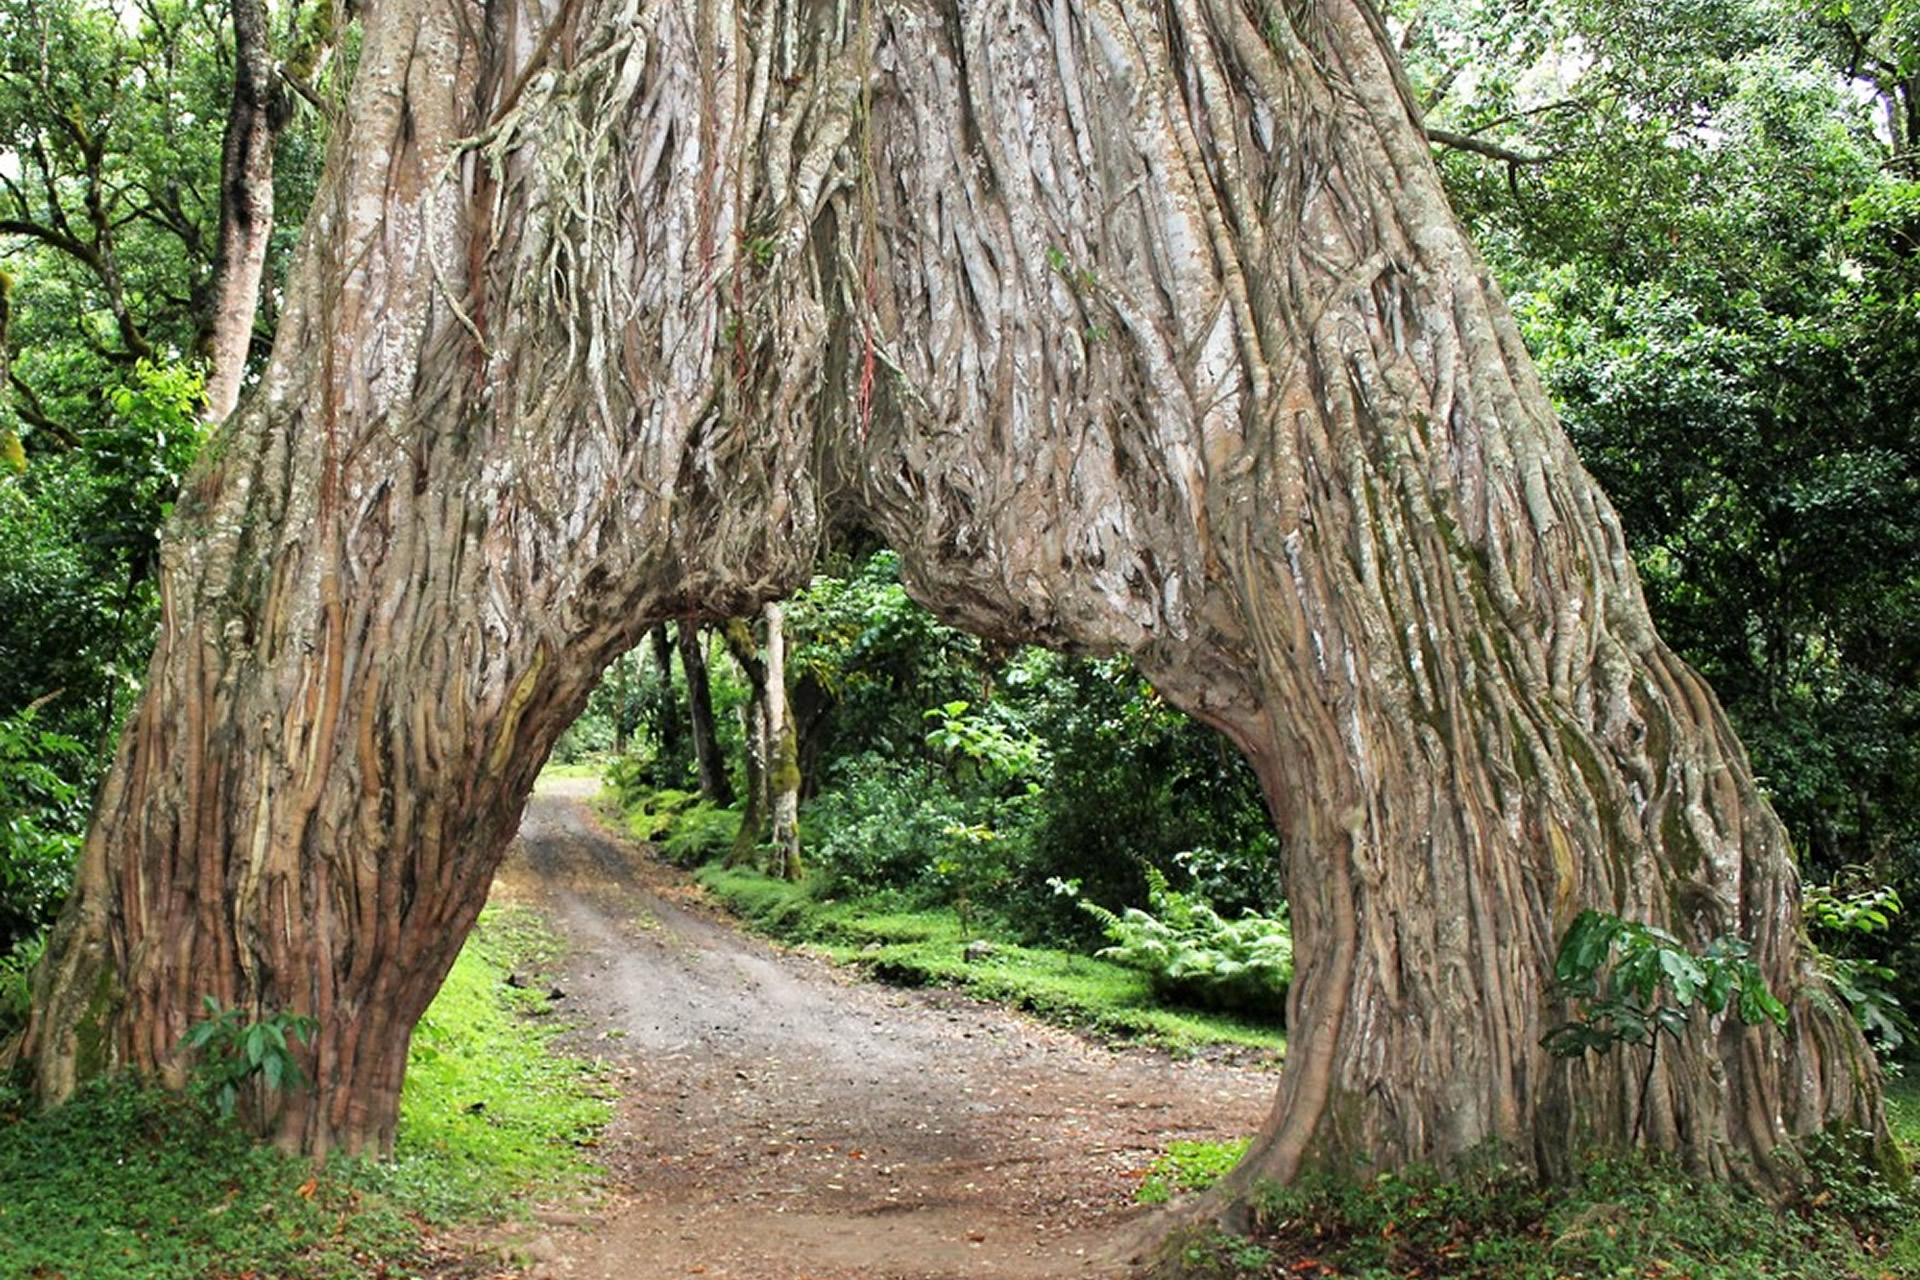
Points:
(1135, 327)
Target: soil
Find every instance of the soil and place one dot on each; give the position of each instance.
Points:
(782, 1119)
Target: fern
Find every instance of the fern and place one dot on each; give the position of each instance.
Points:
(1194, 956)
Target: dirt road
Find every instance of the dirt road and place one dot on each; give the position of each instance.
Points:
(783, 1121)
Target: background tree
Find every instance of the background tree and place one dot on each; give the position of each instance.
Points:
(1712, 238)
(111, 205)
(710, 765)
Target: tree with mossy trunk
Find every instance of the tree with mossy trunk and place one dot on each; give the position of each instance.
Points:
(1135, 328)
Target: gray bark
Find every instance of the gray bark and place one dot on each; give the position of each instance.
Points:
(246, 211)
(783, 749)
(1135, 328)
(758, 804)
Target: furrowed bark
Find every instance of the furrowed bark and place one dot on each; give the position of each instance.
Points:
(1134, 328)
(246, 211)
(462, 488)
(783, 752)
(1187, 357)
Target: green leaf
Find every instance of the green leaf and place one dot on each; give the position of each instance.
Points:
(1584, 948)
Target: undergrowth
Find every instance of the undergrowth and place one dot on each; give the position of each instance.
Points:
(1189, 1165)
(1631, 1218)
(125, 1183)
(929, 947)
(1627, 1218)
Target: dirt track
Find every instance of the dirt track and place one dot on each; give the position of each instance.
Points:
(782, 1121)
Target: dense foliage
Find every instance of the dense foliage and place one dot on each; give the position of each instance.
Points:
(942, 772)
(1707, 216)
(111, 122)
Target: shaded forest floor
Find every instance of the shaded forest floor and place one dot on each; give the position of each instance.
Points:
(779, 1120)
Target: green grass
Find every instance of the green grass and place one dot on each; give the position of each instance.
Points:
(1189, 1165)
(927, 948)
(126, 1184)
(589, 768)
(491, 1115)
(131, 1184)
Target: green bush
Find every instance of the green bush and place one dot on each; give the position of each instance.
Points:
(43, 812)
(651, 814)
(1837, 919)
(699, 834)
(1194, 956)
(16, 989)
(882, 827)
(236, 1054)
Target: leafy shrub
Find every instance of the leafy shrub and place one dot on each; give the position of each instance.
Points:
(234, 1053)
(698, 834)
(1194, 956)
(1837, 918)
(1131, 783)
(16, 990)
(1629, 982)
(43, 813)
(882, 827)
(651, 814)
(630, 776)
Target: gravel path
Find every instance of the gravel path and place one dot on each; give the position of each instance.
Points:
(781, 1120)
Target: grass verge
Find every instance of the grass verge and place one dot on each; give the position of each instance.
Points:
(130, 1184)
(929, 948)
(492, 1118)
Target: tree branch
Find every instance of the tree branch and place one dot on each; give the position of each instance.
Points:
(1481, 147)
(31, 411)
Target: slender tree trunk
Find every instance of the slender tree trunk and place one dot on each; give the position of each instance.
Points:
(246, 210)
(1135, 327)
(663, 708)
(622, 682)
(783, 781)
(759, 804)
(710, 763)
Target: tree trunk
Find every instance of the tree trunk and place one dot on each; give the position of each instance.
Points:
(1135, 327)
(710, 763)
(759, 803)
(246, 211)
(663, 709)
(622, 680)
(783, 779)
